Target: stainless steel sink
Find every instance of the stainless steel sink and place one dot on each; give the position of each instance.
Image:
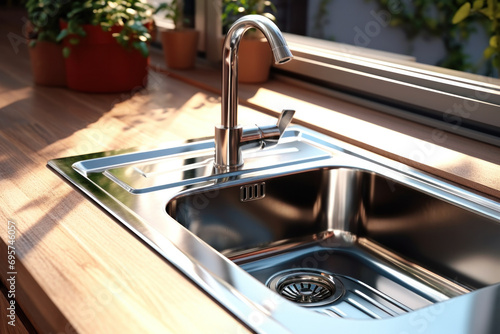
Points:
(312, 234)
(392, 247)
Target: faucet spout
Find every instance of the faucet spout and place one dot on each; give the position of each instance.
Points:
(229, 135)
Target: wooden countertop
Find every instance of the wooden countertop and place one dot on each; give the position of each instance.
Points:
(76, 267)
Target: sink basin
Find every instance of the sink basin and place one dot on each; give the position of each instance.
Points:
(312, 234)
(392, 248)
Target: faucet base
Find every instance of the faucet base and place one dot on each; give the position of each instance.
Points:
(228, 155)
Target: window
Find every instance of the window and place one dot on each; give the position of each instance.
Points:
(390, 80)
(161, 21)
(459, 102)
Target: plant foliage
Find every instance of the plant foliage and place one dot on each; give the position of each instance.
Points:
(173, 11)
(232, 10)
(432, 18)
(131, 15)
(489, 13)
(44, 17)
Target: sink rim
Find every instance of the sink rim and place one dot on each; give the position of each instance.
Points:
(247, 298)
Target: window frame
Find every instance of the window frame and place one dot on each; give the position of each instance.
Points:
(459, 102)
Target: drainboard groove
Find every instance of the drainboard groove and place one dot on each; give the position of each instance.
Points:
(332, 313)
(378, 304)
(336, 311)
(374, 296)
(349, 311)
(351, 300)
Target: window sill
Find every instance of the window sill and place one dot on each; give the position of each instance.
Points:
(458, 102)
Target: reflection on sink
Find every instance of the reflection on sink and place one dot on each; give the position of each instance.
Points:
(308, 232)
(396, 247)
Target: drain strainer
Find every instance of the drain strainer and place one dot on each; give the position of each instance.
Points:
(306, 287)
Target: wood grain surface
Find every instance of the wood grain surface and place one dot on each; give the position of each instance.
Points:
(80, 271)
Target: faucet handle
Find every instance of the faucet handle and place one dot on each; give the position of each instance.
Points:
(267, 135)
(285, 119)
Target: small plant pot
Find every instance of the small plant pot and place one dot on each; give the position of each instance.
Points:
(47, 64)
(98, 64)
(180, 48)
(254, 60)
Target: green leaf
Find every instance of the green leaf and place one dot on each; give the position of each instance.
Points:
(66, 52)
(396, 22)
(488, 12)
(488, 52)
(74, 41)
(62, 35)
(142, 47)
(72, 27)
(270, 16)
(75, 11)
(494, 41)
(477, 5)
(462, 13)
(492, 4)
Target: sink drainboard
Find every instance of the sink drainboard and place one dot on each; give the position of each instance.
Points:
(338, 296)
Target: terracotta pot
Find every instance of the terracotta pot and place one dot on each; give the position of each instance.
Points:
(254, 60)
(180, 48)
(98, 64)
(47, 64)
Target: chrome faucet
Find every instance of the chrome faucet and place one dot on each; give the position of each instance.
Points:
(231, 138)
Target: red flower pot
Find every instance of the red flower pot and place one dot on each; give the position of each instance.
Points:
(98, 64)
(47, 64)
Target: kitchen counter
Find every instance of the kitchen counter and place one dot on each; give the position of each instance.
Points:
(76, 268)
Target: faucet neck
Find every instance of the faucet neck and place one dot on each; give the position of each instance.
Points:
(229, 103)
(229, 136)
(229, 115)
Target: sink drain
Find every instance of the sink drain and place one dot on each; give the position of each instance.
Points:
(306, 287)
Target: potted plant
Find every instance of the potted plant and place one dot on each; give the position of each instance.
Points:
(47, 62)
(180, 45)
(255, 57)
(106, 44)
